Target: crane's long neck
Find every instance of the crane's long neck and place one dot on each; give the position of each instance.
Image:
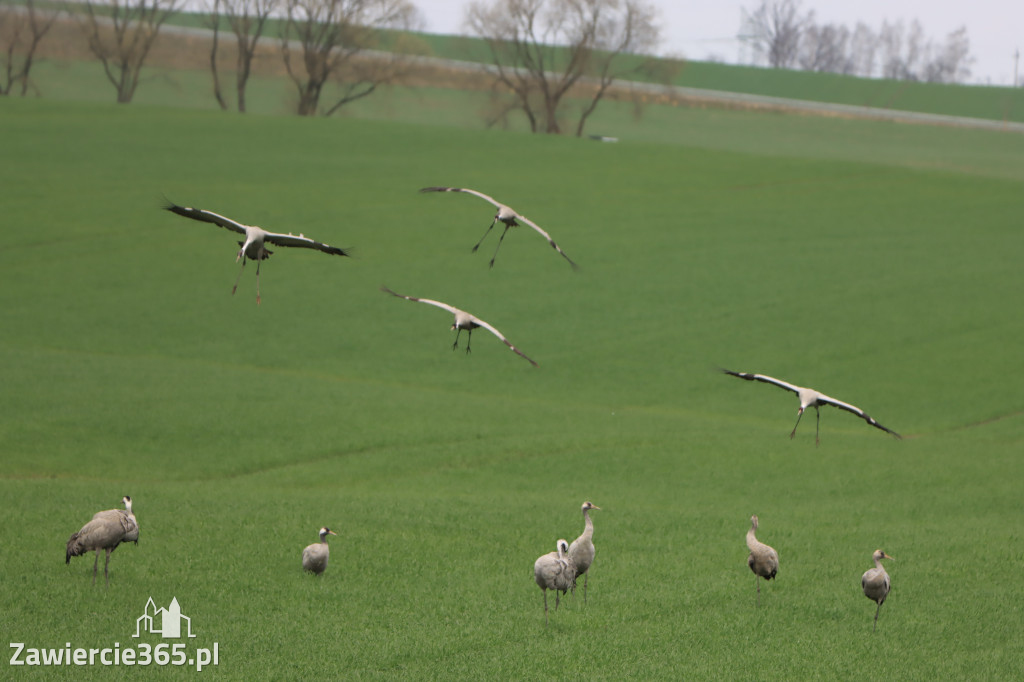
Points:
(752, 541)
(878, 565)
(588, 525)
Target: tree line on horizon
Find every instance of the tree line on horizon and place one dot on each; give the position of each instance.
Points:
(544, 54)
(784, 37)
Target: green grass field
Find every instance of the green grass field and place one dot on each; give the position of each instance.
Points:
(879, 263)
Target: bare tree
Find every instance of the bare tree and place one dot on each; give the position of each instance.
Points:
(951, 62)
(213, 20)
(863, 46)
(247, 20)
(632, 30)
(890, 40)
(917, 50)
(825, 48)
(121, 36)
(543, 48)
(774, 30)
(24, 31)
(334, 37)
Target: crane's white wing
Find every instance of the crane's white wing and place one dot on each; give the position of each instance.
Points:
(548, 237)
(462, 189)
(206, 217)
(857, 411)
(452, 309)
(304, 242)
(481, 323)
(764, 378)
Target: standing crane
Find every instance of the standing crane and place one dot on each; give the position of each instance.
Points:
(256, 238)
(505, 215)
(106, 530)
(315, 556)
(463, 320)
(554, 571)
(811, 398)
(875, 583)
(581, 551)
(763, 560)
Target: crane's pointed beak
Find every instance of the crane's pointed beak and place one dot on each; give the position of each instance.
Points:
(331, 532)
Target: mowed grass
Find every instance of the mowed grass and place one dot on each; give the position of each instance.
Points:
(240, 429)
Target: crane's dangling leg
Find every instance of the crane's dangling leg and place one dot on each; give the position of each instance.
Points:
(798, 416)
(487, 232)
(257, 282)
(239, 278)
(817, 425)
(500, 239)
(469, 339)
(458, 331)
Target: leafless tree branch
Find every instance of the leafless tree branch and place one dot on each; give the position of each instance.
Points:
(333, 37)
(543, 49)
(26, 30)
(122, 35)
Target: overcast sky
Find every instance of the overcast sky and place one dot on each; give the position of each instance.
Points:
(699, 29)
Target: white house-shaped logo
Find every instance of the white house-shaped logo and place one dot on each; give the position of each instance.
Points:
(164, 622)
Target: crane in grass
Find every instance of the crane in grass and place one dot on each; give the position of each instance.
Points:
(105, 531)
(811, 398)
(554, 571)
(582, 550)
(875, 583)
(256, 238)
(507, 216)
(315, 556)
(763, 560)
(463, 320)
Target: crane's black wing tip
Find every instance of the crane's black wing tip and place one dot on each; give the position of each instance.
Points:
(177, 209)
(436, 189)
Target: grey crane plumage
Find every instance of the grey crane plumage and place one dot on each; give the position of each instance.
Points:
(582, 550)
(554, 571)
(463, 320)
(105, 531)
(875, 583)
(763, 560)
(316, 555)
(256, 239)
(507, 216)
(811, 398)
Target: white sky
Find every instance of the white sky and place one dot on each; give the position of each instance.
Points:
(697, 29)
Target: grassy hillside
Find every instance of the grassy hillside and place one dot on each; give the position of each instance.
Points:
(240, 429)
